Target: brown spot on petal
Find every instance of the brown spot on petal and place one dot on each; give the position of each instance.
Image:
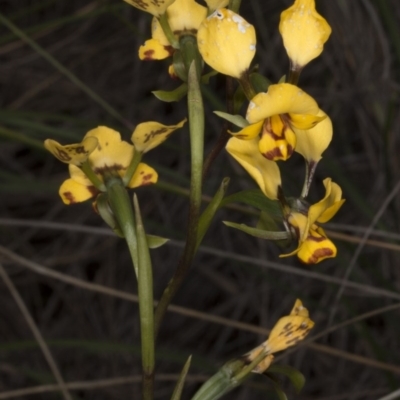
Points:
(69, 197)
(148, 55)
(154, 133)
(320, 253)
(146, 179)
(273, 154)
(63, 155)
(93, 190)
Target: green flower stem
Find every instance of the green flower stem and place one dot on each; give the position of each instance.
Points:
(137, 157)
(310, 170)
(87, 169)
(294, 75)
(196, 127)
(247, 86)
(231, 375)
(234, 5)
(122, 209)
(146, 307)
(163, 20)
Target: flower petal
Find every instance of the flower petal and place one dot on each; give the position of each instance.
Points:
(326, 208)
(277, 139)
(305, 121)
(154, 50)
(249, 132)
(73, 192)
(75, 154)
(289, 330)
(264, 172)
(186, 15)
(282, 98)
(148, 135)
(316, 247)
(311, 143)
(144, 175)
(111, 152)
(155, 8)
(227, 42)
(304, 32)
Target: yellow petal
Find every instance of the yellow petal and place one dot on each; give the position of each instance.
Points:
(311, 143)
(215, 4)
(300, 223)
(75, 154)
(316, 247)
(304, 32)
(73, 192)
(264, 172)
(227, 42)
(111, 152)
(148, 135)
(289, 330)
(277, 139)
(154, 50)
(282, 98)
(144, 175)
(326, 208)
(155, 8)
(299, 309)
(264, 364)
(305, 121)
(249, 132)
(186, 15)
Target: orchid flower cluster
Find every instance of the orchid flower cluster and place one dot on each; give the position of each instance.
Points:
(281, 119)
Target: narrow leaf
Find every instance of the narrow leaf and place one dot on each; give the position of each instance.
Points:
(258, 232)
(296, 377)
(260, 83)
(256, 199)
(155, 241)
(105, 212)
(208, 214)
(237, 119)
(172, 95)
(176, 395)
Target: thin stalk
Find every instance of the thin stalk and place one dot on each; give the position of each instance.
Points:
(196, 127)
(121, 207)
(163, 20)
(294, 75)
(86, 168)
(247, 86)
(146, 307)
(310, 170)
(137, 157)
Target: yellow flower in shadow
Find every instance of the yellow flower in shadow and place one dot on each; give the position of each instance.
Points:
(304, 32)
(313, 244)
(184, 17)
(264, 172)
(110, 156)
(287, 332)
(227, 42)
(282, 117)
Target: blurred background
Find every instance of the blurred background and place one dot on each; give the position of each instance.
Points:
(69, 66)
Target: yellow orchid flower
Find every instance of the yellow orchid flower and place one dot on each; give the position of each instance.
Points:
(304, 32)
(184, 17)
(156, 8)
(313, 245)
(148, 135)
(227, 42)
(264, 172)
(287, 332)
(283, 116)
(110, 156)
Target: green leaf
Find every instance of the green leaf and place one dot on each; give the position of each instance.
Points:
(155, 241)
(258, 232)
(283, 79)
(208, 214)
(206, 78)
(296, 377)
(105, 212)
(176, 395)
(173, 95)
(257, 199)
(237, 120)
(259, 82)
